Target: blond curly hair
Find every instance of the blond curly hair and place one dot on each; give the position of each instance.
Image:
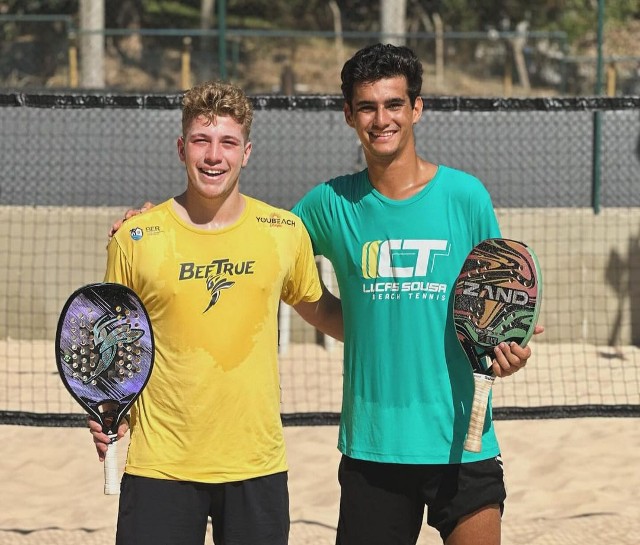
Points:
(216, 98)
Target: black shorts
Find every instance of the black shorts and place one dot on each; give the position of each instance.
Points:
(162, 512)
(384, 503)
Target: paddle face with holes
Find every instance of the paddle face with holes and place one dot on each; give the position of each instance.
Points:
(104, 352)
(497, 299)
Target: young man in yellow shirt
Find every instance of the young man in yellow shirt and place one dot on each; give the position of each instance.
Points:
(211, 266)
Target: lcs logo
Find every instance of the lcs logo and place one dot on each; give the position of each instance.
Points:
(408, 258)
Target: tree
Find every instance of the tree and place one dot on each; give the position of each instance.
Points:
(92, 43)
(393, 21)
(337, 27)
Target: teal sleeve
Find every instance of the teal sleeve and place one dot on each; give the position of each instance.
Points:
(313, 210)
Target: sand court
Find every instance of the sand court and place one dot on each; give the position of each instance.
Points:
(570, 481)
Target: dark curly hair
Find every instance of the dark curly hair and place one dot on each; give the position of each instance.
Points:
(381, 61)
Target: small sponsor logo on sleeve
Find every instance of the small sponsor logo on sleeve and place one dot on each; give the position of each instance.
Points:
(137, 232)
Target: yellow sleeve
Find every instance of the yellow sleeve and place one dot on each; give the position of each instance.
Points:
(303, 280)
(118, 266)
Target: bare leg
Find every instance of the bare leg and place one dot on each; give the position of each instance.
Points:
(479, 528)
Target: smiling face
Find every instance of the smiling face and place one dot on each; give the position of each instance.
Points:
(213, 153)
(383, 118)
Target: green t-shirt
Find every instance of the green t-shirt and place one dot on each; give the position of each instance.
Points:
(407, 387)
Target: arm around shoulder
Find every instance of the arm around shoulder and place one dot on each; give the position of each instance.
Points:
(129, 214)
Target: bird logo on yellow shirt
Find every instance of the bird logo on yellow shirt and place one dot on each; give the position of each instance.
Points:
(215, 284)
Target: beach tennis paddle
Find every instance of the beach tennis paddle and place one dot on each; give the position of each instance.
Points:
(105, 352)
(497, 299)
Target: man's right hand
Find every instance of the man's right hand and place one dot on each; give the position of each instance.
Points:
(129, 214)
(101, 440)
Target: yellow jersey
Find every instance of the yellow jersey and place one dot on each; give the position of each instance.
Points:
(211, 409)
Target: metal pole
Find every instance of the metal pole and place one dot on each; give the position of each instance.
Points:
(73, 61)
(185, 72)
(222, 38)
(600, 61)
(597, 118)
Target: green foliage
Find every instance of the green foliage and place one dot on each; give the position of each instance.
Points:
(39, 7)
(171, 14)
(578, 23)
(623, 10)
(576, 17)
